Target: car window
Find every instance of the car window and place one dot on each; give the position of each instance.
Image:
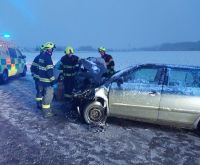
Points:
(18, 53)
(196, 82)
(178, 77)
(183, 82)
(3, 51)
(143, 75)
(12, 53)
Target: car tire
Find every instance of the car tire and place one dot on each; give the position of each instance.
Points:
(4, 77)
(94, 113)
(23, 74)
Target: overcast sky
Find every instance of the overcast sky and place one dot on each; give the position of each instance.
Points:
(109, 23)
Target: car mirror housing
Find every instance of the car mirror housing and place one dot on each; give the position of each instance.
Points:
(119, 81)
(23, 56)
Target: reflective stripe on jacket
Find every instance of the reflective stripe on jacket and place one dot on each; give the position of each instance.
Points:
(45, 70)
(69, 65)
(34, 67)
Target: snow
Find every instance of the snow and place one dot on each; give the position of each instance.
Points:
(28, 138)
(125, 59)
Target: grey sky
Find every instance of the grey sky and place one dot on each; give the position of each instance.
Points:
(109, 23)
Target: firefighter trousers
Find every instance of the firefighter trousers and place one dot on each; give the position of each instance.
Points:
(47, 95)
(39, 93)
(69, 84)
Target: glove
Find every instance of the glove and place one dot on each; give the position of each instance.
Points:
(53, 82)
(61, 77)
(105, 75)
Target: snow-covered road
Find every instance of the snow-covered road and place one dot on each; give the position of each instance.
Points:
(27, 138)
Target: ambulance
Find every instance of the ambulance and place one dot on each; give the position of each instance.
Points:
(12, 61)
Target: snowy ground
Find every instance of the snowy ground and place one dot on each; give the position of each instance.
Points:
(124, 59)
(27, 138)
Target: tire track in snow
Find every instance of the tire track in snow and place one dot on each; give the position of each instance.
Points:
(23, 117)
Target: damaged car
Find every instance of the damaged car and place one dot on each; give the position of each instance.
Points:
(155, 93)
(89, 75)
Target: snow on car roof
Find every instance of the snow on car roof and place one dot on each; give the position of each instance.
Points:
(168, 65)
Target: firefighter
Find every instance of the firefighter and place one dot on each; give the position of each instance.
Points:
(46, 78)
(69, 66)
(34, 72)
(109, 62)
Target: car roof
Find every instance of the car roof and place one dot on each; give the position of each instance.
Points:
(168, 65)
(4, 43)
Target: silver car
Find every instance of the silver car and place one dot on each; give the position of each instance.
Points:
(156, 93)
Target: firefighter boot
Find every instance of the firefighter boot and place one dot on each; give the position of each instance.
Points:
(47, 112)
(39, 104)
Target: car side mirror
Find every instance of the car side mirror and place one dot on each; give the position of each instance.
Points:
(23, 56)
(119, 81)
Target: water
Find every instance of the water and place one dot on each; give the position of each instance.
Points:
(124, 59)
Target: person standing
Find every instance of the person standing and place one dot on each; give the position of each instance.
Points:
(34, 71)
(110, 64)
(46, 78)
(69, 66)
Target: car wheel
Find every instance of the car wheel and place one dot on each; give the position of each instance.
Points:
(23, 74)
(4, 77)
(94, 113)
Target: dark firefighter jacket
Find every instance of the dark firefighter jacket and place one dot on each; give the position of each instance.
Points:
(45, 70)
(34, 68)
(69, 65)
(109, 63)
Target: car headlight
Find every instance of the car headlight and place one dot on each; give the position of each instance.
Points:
(86, 94)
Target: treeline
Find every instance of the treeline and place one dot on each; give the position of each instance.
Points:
(181, 46)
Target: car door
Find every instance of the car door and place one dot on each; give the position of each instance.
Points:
(138, 94)
(180, 100)
(19, 62)
(12, 70)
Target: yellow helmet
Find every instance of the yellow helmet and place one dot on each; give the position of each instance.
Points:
(102, 49)
(49, 45)
(69, 50)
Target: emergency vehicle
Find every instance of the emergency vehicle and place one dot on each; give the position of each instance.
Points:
(12, 62)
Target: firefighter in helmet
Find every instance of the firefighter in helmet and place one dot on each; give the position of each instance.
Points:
(69, 66)
(34, 71)
(108, 60)
(46, 78)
